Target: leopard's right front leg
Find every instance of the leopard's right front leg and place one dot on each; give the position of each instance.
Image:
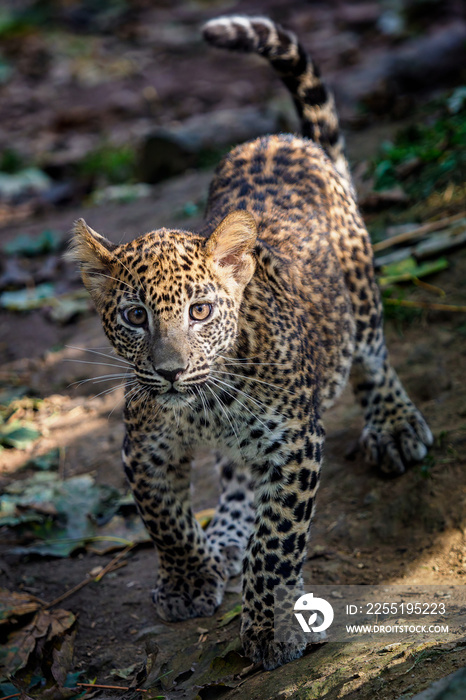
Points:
(192, 574)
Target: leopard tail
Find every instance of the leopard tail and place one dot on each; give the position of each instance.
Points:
(313, 99)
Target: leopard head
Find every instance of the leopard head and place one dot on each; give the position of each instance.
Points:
(170, 300)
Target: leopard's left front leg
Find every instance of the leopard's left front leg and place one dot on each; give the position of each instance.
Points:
(286, 480)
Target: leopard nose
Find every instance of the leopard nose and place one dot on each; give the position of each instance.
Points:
(170, 375)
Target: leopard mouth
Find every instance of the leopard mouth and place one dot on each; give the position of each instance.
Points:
(175, 398)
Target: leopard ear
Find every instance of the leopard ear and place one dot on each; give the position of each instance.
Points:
(94, 255)
(231, 246)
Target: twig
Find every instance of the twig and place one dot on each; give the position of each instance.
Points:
(418, 232)
(429, 287)
(61, 462)
(112, 566)
(108, 687)
(7, 697)
(424, 305)
(68, 593)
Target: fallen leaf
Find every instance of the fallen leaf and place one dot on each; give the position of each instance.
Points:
(124, 673)
(64, 515)
(15, 605)
(44, 645)
(204, 517)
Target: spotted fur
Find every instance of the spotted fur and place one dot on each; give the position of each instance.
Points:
(238, 337)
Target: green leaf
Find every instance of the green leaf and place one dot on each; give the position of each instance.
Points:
(24, 181)
(11, 394)
(68, 306)
(5, 71)
(27, 299)
(408, 269)
(457, 101)
(11, 517)
(45, 462)
(48, 241)
(17, 434)
(7, 689)
(70, 512)
(230, 615)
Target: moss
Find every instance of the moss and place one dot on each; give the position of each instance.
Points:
(426, 156)
(115, 164)
(11, 161)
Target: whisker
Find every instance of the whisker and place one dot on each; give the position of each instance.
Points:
(103, 354)
(258, 403)
(97, 380)
(115, 279)
(132, 274)
(240, 403)
(101, 364)
(255, 364)
(109, 391)
(252, 379)
(204, 405)
(240, 359)
(120, 401)
(136, 393)
(224, 411)
(146, 398)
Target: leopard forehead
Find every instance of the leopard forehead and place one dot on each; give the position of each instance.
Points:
(168, 268)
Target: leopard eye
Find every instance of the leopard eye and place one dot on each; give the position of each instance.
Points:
(135, 315)
(200, 312)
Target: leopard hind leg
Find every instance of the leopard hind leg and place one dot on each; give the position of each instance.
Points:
(395, 433)
(231, 526)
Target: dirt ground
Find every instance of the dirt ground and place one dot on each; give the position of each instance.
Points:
(367, 529)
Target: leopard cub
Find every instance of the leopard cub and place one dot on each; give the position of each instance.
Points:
(238, 337)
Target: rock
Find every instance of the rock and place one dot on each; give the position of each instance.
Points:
(375, 200)
(166, 153)
(408, 167)
(359, 15)
(386, 82)
(14, 276)
(25, 182)
(170, 151)
(430, 385)
(121, 193)
(452, 687)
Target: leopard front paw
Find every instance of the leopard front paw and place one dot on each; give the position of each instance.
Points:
(396, 438)
(183, 598)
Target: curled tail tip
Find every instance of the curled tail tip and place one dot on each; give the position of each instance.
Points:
(236, 32)
(301, 76)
